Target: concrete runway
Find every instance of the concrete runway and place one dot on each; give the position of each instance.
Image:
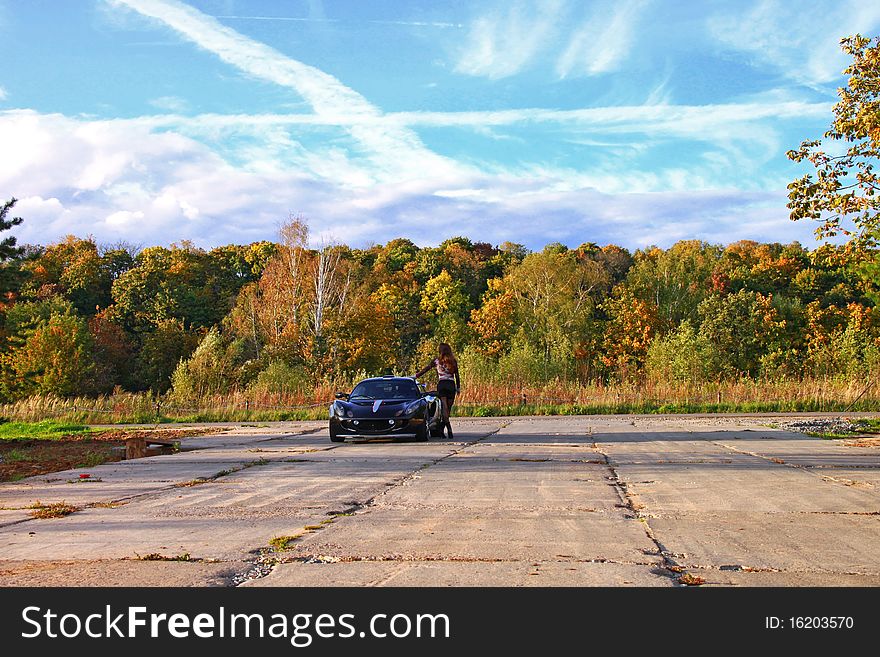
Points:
(549, 501)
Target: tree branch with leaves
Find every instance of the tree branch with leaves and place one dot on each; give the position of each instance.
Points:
(842, 193)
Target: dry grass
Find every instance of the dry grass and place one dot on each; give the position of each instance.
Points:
(814, 391)
(691, 580)
(479, 398)
(55, 510)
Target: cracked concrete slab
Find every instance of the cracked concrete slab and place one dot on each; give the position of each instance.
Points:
(13, 516)
(474, 483)
(666, 448)
(810, 452)
(131, 531)
(809, 542)
(519, 452)
(860, 478)
(782, 578)
(115, 573)
(463, 573)
(746, 487)
(490, 534)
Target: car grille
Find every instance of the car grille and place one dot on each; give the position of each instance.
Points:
(374, 426)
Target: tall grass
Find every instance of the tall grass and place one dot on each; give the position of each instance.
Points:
(477, 399)
(811, 394)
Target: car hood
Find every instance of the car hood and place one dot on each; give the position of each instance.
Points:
(376, 407)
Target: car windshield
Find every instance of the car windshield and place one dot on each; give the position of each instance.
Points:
(386, 389)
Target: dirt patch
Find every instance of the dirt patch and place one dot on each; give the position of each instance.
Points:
(862, 441)
(27, 458)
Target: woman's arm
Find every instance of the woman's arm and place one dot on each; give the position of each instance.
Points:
(427, 368)
(457, 382)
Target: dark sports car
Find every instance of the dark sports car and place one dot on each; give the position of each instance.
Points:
(388, 406)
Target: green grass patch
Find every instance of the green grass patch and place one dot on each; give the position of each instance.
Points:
(43, 430)
(868, 425)
(282, 543)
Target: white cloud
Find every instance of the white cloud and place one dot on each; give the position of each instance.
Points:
(3, 94)
(170, 103)
(124, 218)
(504, 42)
(602, 42)
(123, 179)
(799, 39)
(394, 151)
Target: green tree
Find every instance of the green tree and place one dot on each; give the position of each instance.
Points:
(842, 195)
(673, 281)
(682, 355)
(78, 270)
(9, 252)
(555, 299)
(743, 328)
(183, 283)
(8, 248)
(162, 349)
(212, 369)
(56, 358)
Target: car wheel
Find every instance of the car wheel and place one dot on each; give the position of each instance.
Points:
(437, 430)
(422, 433)
(336, 438)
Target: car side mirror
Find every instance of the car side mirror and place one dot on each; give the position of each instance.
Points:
(341, 395)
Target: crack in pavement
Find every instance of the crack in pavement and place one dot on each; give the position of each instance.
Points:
(398, 558)
(671, 566)
(267, 561)
(799, 466)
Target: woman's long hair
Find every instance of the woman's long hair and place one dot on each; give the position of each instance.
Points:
(447, 358)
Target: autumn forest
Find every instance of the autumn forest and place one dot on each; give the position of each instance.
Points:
(292, 320)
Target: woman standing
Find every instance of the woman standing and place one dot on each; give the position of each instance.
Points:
(449, 383)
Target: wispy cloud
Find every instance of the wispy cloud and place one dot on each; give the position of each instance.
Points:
(601, 43)
(170, 103)
(503, 42)
(281, 19)
(699, 122)
(396, 152)
(3, 94)
(794, 38)
(304, 19)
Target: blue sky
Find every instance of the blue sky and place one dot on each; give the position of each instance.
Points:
(632, 122)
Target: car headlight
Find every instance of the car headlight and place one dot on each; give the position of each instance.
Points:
(340, 410)
(410, 409)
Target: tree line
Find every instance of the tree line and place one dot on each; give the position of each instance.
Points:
(81, 318)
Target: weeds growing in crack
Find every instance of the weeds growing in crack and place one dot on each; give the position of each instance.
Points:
(55, 510)
(282, 543)
(155, 556)
(191, 482)
(691, 580)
